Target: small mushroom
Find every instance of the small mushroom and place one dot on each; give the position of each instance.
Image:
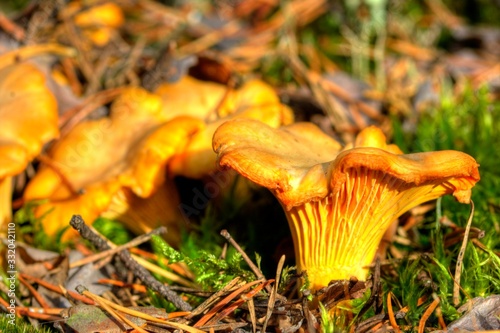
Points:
(98, 23)
(339, 202)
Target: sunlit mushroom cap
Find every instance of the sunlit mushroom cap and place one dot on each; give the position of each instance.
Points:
(101, 158)
(212, 101)
(300, 163)
(254, 100)
(106, 14)
(373, 137)
(252, 95)
(98, 22)
(191, 97)
(282, 160)
(339, 203)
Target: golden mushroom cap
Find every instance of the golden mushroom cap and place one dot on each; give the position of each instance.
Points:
(102, 15)
(455, 171)
(300, 163)
(283, 160)
(254, 100)
(373, 137)
(98, 22)
(191, 97)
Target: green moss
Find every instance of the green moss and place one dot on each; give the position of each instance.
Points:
(464, 123)
(31, 229)
(212, 272)
(22, 326)
(113, 230)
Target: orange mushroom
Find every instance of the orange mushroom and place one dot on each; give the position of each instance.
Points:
(339, 203)
(203, 97)
(113, 164)
(215, 104)
(28, 113)
(98, 23)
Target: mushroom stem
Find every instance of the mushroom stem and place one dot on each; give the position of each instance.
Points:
(326, 245)
(336, 238)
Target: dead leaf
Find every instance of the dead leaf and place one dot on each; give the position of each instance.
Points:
(92, 319)
(483, 314)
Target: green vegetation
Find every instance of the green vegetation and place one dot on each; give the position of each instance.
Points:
(21, 326)
(31, 229)
(212, 272)
(112, 230)
(463, 123)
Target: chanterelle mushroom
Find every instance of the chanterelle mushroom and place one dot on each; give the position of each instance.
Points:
(118, 163)
(339, 203)
(255, 100)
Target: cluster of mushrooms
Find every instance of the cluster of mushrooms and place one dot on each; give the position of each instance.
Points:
(120, 166)
(338, 200)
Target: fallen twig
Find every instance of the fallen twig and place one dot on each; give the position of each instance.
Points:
(247, 259)
(218, 308)
(392, 318)
(11, 28)
(139, 271)
(426, 315)
(34, 293)
(108, 304)
(212, 299)
(274, 293)
(458, 268)
(134, 242)
(57, 289)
